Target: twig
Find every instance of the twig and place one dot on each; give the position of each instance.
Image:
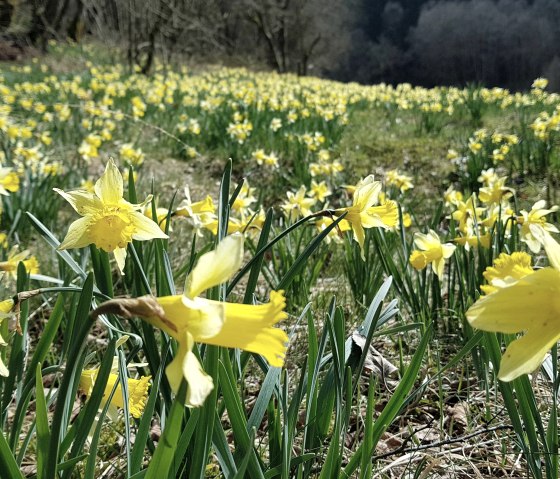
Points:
(402, 449)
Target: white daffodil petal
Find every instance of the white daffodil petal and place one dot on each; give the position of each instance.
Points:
(216, 267)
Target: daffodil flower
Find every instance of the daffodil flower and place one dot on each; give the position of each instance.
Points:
(189, 318)
(431, 250)
(198, 213)
(535, 217)
(14, 258)
(9, 181)
(524, 301)
(109, 221)
(363, 214)
(6, 307)
(506, 270)
(298, 204)
(137, 391)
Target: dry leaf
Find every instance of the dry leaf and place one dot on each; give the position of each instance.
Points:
(375, 363)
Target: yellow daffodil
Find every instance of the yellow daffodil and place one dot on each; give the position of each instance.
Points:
(109, 221)
(363, 214)
(189, 318)
(14, 258)
(535, 217)
(9, 181)
(137, 391)
(467, 213)
(400, 181)
(132, 155)
(506, 270)
(6, 307)
(431, 250)
(298, 204)
(319, 190)
(244, 199)
(524, 301)
(495, 192)
(452, 197)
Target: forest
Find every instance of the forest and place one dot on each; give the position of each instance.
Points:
(505, 43)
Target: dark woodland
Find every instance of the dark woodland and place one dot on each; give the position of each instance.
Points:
(505, 43)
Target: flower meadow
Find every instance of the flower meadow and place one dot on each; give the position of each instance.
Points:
(198, 280)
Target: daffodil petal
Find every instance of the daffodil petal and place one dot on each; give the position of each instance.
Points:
(186, 366)
(525, 354)
(216, 267)
(120, 258)
(202, 318)
(360, 237)
(145, 228)
(382, 216)
(249, 327)
(367, 194)
(422, 241)
(526, 304)
(77, 236)
(82, 201)
(551, 247)
(109, 187)
(3, 369)
(438, 266)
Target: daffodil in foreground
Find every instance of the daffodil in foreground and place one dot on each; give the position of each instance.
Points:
(521, 300)
(188, 318)
(109, 221)
(364, 214)
(431, 251)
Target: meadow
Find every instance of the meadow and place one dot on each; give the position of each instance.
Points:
(218, 272)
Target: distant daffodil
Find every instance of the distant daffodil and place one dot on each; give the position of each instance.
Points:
(109, 221)
(365, 211)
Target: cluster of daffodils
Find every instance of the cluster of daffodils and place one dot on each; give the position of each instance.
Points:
(546, 125)
(474, 219)
(370, 209)
(10, 183)
(110, 223)
(267, 159)
(325, 165)
(201, 215)
(493, 147)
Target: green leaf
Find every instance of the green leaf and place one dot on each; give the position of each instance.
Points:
(8, 464)
(51, 239)
(143, 432)
(303, 258)
(42, 421)
(392, 408)
(65, 394)
(165, 452)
